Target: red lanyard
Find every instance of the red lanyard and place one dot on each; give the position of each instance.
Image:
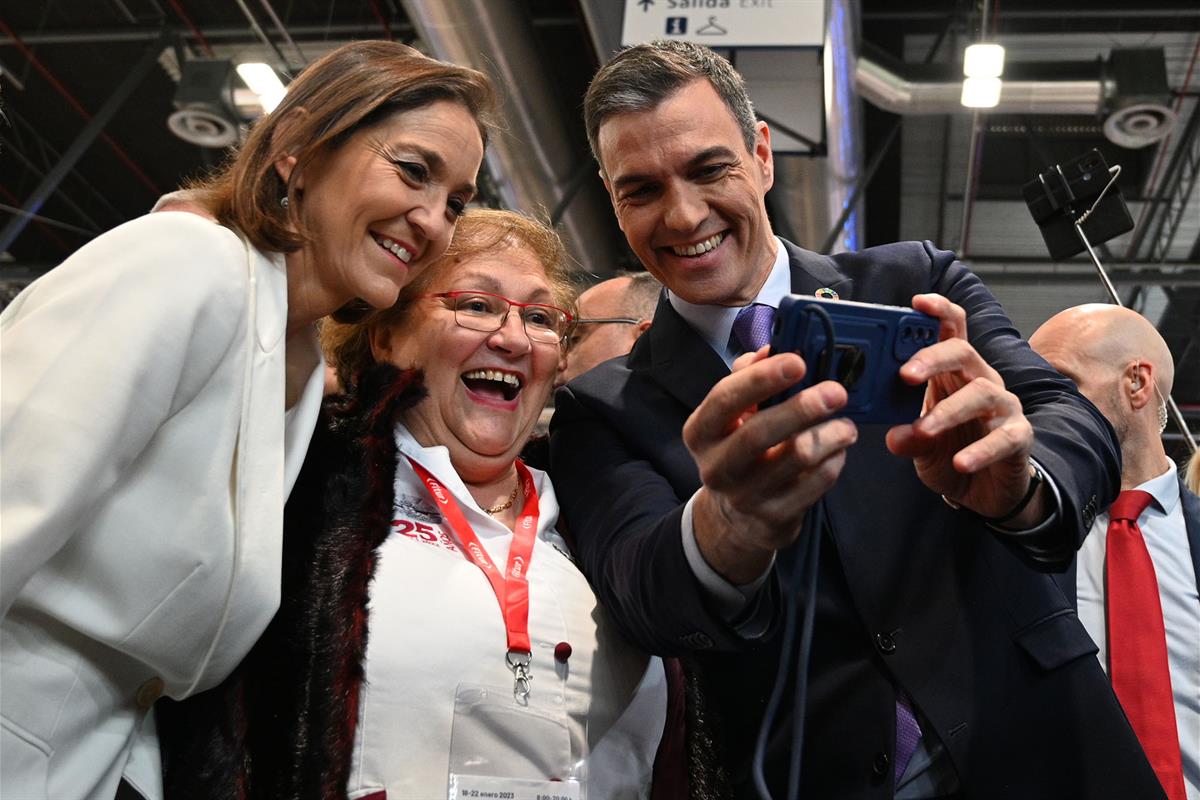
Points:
(511, 588)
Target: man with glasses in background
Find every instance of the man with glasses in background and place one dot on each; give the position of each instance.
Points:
(612, 315)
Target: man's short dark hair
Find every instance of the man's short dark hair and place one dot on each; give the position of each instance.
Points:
(639, 78)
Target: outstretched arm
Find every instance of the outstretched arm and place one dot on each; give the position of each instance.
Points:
(992, 406)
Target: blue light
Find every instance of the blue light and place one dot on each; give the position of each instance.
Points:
(843, 83)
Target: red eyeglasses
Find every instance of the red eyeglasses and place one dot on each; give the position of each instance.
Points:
(487, 312)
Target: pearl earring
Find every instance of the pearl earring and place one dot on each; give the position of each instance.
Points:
(284, 202)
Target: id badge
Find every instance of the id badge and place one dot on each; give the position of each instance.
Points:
(505, 749)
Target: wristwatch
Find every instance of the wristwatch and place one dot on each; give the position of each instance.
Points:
(1035, 481)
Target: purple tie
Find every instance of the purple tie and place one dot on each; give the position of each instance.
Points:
(752, 328)
(908, 733)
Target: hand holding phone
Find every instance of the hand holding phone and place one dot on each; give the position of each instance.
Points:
(861, 346)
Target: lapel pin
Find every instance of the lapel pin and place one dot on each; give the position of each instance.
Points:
(825, 293)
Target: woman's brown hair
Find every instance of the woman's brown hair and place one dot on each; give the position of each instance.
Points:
(347, 346)
(349, 89)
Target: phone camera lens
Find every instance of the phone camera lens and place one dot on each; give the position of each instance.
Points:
(851, 365)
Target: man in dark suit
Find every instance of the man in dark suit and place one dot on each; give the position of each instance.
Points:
(943, 662)
(1121, 363)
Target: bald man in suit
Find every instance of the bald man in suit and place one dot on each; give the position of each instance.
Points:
(1121, 363)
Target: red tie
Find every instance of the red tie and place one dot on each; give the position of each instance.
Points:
(1137, 642)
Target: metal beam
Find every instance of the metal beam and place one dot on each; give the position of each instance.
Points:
(1056, 15)
(1158, 205)
(861, 186)
(50, 156)
(66, 198)
(82, 142)
(233, 32)
(55, 223)
(1001, 273)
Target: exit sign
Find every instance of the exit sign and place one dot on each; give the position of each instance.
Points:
(726, 23)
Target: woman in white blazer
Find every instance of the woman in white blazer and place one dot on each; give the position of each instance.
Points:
(158, 392)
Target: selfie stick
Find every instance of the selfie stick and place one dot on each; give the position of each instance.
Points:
(1172, 408)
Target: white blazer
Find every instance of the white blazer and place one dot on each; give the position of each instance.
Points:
(146, 460)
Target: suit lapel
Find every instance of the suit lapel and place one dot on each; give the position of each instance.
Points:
(672, 354)
(811, 271)
(258, 485)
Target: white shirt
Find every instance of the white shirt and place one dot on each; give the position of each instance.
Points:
(1164, 529)
(435, 623)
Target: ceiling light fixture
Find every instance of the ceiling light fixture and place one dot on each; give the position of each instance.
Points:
(983, 61)
(264, 82)
(983, 64)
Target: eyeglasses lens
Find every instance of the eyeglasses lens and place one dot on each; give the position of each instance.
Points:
(481, 312)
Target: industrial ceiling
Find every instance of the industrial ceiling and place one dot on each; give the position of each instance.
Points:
(87, 87)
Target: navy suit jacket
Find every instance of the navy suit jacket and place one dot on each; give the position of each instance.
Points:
(911, 593)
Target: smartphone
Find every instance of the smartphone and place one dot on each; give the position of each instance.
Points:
(860, 345)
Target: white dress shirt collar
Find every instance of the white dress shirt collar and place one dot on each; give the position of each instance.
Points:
(1164, 489)
(714, 323)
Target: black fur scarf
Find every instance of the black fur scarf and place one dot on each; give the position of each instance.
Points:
(264, 732)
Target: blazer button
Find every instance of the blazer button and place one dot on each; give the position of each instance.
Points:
(1089, 512)
(885, 643)
(697, 640)
(150, 691)
(879, 767)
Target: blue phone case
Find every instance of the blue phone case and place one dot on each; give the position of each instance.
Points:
(870, 344)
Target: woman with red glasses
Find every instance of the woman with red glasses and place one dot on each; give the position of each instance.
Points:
(488, 667)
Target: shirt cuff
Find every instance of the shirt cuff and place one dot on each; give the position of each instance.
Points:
(1050, 521)
(729, 600)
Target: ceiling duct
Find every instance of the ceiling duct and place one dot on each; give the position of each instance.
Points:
(1137, 110)
(533, 160)
(204, 110)
(1129, 91)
